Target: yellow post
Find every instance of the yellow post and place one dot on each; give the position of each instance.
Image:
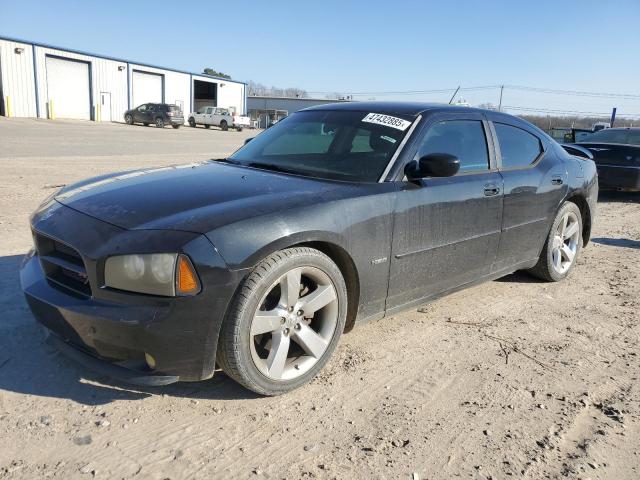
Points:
(52, 115)
(98, 113)
(9, 111)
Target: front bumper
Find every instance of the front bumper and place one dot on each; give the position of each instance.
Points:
(614, 176)
(123, 328)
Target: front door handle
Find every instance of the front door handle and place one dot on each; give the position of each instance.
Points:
(491, 190)
(556, 181)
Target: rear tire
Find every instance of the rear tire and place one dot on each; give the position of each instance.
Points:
(224, 125)
(176, 126)
(192, 122)
(159, 122)
(268, 342)
(562, 247)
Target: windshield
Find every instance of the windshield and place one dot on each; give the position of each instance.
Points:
(608, 135)
(337, 145)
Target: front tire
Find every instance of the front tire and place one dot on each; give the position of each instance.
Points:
(285, 322)
(563, 245)
(176, 126)
(192, 122)
(128, 119)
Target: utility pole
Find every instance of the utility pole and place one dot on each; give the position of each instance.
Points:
(500, 103)
(454, 94)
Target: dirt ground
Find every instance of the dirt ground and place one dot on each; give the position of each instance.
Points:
(515, 378)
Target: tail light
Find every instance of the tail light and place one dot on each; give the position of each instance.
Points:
(170, 113)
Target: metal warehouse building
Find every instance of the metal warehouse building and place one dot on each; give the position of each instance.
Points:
(264, 111)
(43, 81)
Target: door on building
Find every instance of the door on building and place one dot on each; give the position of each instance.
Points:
(105, 106)
(68, 87)
(147, 88)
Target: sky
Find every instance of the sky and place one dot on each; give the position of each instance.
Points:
(368, 47)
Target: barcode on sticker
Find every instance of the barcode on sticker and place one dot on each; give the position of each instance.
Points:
(387, 120)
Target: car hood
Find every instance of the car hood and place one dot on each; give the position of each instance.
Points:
(196, 197)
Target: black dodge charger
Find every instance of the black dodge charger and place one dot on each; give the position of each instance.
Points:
(616, 152)
(338, 215)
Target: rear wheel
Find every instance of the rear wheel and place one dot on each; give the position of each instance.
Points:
(285, 322)
(159, 122)
(176, 126)
(192, 122)
(560, 251)
(128, 119)
(224, 125)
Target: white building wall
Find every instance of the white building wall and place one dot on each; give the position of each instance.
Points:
(17, 78)
(232, 94)
(105, 77)
(177, 88)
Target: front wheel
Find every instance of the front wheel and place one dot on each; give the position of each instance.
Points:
(560, 251)
(159, 122)
(192, 122)
(128, 119)
(285, 322)
(176, 126)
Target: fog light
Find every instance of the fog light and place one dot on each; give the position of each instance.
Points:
(150, 361)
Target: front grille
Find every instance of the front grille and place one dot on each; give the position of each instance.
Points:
(63, 266)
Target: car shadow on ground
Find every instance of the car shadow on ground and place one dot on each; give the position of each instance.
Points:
(617, 242)
(519, 277)
(28, 365)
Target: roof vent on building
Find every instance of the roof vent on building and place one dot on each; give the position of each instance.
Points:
(18, 50)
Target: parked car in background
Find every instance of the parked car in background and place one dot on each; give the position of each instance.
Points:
(160, 114)
(616, 152)
(337, 215)
(218, 117)
(568, 134)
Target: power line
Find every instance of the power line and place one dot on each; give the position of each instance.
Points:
(578, 93)
(576, 112)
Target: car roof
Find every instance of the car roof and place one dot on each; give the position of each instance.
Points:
(398, 108)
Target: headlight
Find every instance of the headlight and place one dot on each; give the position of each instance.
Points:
(167, 274)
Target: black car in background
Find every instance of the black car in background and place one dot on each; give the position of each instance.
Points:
(160, 114)
(337, 215)
(616, 152)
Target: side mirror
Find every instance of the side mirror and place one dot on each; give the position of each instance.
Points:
(434, 165)
(248, 140)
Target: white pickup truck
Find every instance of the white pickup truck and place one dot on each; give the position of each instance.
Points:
(218, 117)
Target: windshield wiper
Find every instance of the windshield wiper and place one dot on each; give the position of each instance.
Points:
(273, 167)
(225, 160)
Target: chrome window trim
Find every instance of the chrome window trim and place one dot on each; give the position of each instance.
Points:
(399, 150)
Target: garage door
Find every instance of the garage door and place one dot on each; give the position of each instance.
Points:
(147, 88)
(68, 88)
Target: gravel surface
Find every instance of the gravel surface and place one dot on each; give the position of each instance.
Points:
(511, 379)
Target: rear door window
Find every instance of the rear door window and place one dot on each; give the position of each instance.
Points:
(464, 139)
(518, 147)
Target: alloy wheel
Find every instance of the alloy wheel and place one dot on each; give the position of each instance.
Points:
(294, 323)
(565, 243)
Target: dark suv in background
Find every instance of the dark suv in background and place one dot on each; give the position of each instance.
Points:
(160, 114)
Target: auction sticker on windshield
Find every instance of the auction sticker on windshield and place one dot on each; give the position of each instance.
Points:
(387, 120)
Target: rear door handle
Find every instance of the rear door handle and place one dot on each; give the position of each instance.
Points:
(556, 181)
(491, 190)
